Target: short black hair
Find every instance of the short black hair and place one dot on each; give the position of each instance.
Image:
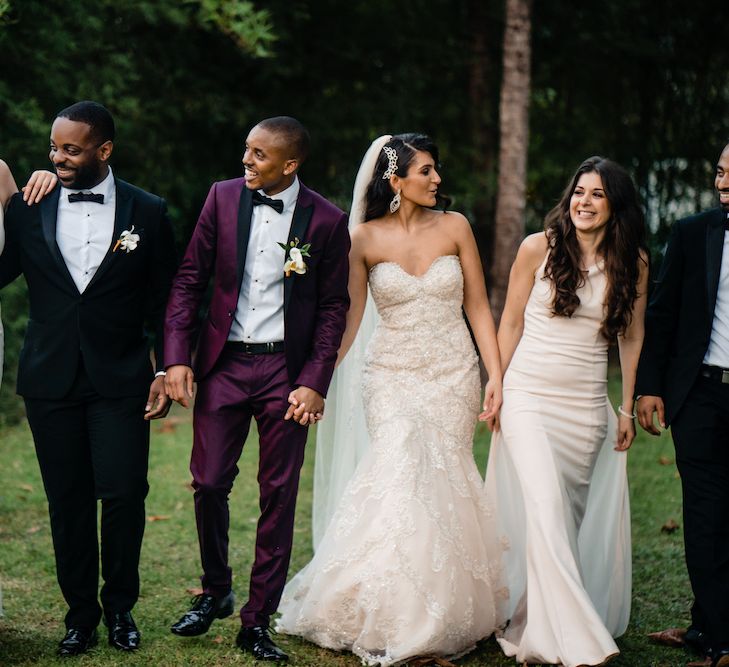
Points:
(294, 133)
(95, 115)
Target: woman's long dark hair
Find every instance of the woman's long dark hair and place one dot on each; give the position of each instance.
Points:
(625, 238)
(379, 191)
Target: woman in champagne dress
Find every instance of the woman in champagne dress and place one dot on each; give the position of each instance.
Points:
(40, 183)
(556, 471)
(404, 568)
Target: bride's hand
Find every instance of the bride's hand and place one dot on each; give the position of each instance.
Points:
(491, 405)
(626, 433)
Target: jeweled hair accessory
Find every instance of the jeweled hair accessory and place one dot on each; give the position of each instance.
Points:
(391, 162)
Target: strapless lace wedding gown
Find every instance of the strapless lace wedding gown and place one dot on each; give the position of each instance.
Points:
(559, 489)
(405, 567)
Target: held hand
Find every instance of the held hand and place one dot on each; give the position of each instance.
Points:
(626, 433)
(178, 384)
(647, 405)
(39, 184)
(306, 406)
(491, 405)
(158, 404)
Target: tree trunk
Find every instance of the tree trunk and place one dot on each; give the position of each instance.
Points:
(513, 145)
(483, 125)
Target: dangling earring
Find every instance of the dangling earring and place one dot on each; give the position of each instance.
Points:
(395, 203)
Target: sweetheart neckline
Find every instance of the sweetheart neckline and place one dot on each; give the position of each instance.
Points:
(413, 275)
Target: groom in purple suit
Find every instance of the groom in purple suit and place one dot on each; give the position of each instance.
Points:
(268, 343)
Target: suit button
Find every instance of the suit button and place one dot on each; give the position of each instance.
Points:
(230, 313)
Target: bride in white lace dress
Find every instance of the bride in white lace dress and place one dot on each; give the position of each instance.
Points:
(404, 568)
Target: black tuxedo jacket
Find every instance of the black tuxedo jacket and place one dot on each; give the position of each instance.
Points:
(681, 310)
(105, 325)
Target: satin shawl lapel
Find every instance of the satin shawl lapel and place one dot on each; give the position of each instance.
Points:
(714, 251)
(245, 213)
(299, 224)
(123, 212)
(49, 216)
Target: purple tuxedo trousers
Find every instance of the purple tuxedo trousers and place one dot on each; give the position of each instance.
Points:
(240, 387)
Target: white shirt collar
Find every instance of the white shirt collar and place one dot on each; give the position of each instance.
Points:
(105, 187)
(287, 196)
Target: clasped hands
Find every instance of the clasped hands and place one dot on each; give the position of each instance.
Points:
(306, 406)
(492, 400)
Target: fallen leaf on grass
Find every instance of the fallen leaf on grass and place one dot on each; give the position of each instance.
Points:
(179, 505)
(665, 461)
(157, 517)
(194, 591)
(422, 662)
(673, 637)
(669, 527)
(218, 639)
(170, 424)
(26, 487)
(33, 530)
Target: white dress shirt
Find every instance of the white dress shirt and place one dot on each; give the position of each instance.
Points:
(259, 315)
(718, 352)
(84, 230)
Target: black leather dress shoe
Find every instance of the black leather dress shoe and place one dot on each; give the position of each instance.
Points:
(123, 632)
(257, 641)
(77, 641)
(720, 658)
(205, 609)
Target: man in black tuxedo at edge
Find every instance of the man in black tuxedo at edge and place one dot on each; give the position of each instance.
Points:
(683, 377)
(98, 256)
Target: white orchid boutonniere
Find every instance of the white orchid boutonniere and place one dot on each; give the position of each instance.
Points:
(294, 257)
(127, 241)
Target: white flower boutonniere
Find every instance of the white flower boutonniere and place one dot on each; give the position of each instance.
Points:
(294, 257)
(127, 241)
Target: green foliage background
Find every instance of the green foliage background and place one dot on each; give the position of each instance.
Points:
(186, 79)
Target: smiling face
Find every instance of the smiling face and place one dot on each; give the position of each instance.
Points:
(589, 206)
(267, 161)
(420, 186)
(80, 162)
(721, 182)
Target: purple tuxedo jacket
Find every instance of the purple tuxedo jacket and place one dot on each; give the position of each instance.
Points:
(315, 303)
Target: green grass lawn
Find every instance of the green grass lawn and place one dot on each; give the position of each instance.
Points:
(34, 609)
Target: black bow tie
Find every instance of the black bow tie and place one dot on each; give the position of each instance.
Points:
(276, 204)
(85, 196)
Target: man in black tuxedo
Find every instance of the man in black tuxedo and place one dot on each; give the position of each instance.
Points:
(683, 377)
(98, 256)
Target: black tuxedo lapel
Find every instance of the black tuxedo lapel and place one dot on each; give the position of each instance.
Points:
(299, 225)
(245, 213)
(714, 251)
(123, 212)
(49, 217)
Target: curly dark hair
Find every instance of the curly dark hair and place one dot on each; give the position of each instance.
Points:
(625, 238)
(379, 191)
